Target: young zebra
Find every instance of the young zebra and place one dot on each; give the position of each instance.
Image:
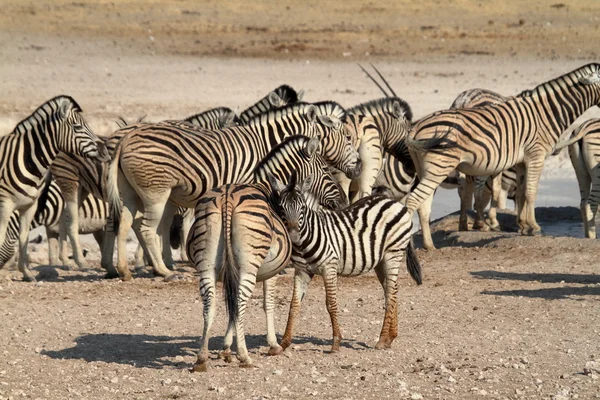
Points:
(56, 126)
(237, 237)
(280, 97)
(92, 214)
(176, 162)
(585, 157)
(487, 140)
(372, 233)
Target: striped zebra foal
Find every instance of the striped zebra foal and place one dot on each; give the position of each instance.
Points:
(585, 157)
(176, 162)
(281, 96)
(92, 214)
(238, 237)
(487, 140)
(56, 126)
(372, 233)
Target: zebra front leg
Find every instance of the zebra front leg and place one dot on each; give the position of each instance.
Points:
(495, 202)
(532, 178)
(424, 212)
(482, 198)
(140, 258)
(164, 230)
(584, 180)
(387, 273)
(329, 273)
(71, 220)
(25, 218)
(128, 212)
(592, 203)
(465, 192)
(208, 281)
(53, 247)
(188, 220)
(63, 246)
(302, 279)
(108, 249)
(269, 307)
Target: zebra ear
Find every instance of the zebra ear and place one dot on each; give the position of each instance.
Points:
(228, 119)
(590, 79)
(276, 184)
(331, 122)
(300, 95)
(312, 146)
(275, 100)
(307, 184)
(311, 113)
(64, 108)
(397, 110)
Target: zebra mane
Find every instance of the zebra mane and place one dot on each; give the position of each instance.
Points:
(333, 109)
(296, 142)
(573, 75)
(45, 111)
(373, 107)
(287, 93)
(218, 111)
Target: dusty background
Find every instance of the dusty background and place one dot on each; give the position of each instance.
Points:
(498, 316)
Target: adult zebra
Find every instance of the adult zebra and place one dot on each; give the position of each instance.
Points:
(487, 140)
(26, 154)
(77, 176)
(238, 236)
(92, 214)
(585, 157)
(175, 162)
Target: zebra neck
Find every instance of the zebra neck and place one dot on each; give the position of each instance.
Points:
(39, 147)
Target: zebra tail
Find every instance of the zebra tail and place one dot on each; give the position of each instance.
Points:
(114, 199)
(231, 271)
(576, 136)
(175, 231)
(438, 142)
(412, 263)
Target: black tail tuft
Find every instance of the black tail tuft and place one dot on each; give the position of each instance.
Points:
(412, 263)
(231, 271)
(175, 231)
(438, 142)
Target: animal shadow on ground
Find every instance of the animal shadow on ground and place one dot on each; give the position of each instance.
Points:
(49, 273)
(553, 293)
(152, 351)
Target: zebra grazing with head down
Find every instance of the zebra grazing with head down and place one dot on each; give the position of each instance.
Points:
(585, 157)
(239, 238)
(176, 162)
(372, 233)
(56, 126)
(92, 213)
(77, 176)
(487, 140)
(280, 97)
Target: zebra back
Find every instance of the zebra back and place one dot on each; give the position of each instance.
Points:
(214, 119)
(279, 97)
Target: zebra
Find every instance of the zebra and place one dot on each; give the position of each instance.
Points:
(92, 212)
(77, 176)
(280, 97)
(487, 140)
(26, 154)
(585, 157)
(369, 234)
(238, 237)
(172, 161)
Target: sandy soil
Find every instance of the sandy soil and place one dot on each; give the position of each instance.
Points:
(498, 316)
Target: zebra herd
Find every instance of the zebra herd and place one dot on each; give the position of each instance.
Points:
(288, 183)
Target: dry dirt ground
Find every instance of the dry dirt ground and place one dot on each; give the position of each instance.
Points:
(498, 316)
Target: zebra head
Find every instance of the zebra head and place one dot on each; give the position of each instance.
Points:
(339, 140)
(293, 204)
(299, 156)
(74, 134)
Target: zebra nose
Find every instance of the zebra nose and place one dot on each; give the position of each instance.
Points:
(355, 172)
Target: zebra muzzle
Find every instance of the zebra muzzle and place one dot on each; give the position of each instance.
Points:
(355, 170)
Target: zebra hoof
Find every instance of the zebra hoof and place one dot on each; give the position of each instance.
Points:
(225, 355)
(275, 351)
(199, 367)
(111, 275)
(173, 278)
(247, 365)
(383, 344)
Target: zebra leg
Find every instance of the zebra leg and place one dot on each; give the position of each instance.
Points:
(108, 249)
(208, 282)
(387, 273)
(71, 220)
(424, 212)
(330, 280)
(247, 283)
(25, 218)
(533, 171)
(63, 246)
(140, 258)
(188, 220)
(164, 228)
(584, 180)
(225, 354)
(301, 280)
(465, 192)
(269, 307)
(53, 247)
(482, 198)
(153, 212)
(128, 212)
(495, 202)
(99, 237)
(592, 203)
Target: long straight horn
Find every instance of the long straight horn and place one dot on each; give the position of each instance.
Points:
(374, 81)
(384, 81)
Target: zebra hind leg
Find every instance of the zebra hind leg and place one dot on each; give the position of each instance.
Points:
(387, 273)
(208, 282)
(269, 307)
(25, 218)
(465, 192)
(301, 281)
